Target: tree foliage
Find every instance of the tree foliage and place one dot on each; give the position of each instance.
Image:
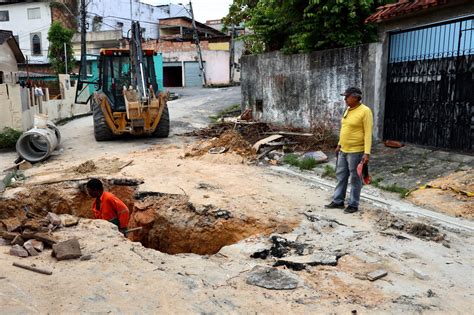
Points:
(57, 36)
(296, 26)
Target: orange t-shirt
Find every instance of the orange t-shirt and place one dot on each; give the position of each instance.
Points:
(111, 209)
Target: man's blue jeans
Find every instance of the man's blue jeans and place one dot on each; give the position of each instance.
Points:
(347, 168)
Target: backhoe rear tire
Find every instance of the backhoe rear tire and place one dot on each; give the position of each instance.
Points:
(163, 128)
(102, 131)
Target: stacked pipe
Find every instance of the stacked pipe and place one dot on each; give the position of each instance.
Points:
(37, 144)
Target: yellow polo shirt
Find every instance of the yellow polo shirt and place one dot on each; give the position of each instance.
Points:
(356, 130)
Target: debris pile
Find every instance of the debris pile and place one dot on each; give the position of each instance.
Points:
(28, 237)
(240, 136)
(295, 255)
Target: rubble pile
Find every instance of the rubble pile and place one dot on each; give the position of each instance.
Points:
(30, 236)
(319, 137)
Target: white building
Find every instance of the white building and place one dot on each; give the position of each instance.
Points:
(30, 21)
(30, 24)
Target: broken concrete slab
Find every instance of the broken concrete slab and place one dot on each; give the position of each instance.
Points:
(68, 220)
(69, 249)
(9, 235)
(44, 237)
(53, 218)
(273, 278)
(4, 242)
(18, 240)
(19, 251)
(11, 224)
(421, 275)
(299, 262)
(377, 274)
(318, 156)
(31, 250)
(37, 245)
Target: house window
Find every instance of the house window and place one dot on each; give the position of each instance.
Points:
(36, 44)
(34, 14)
(4, 16)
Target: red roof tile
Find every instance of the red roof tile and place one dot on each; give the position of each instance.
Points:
(402, 7)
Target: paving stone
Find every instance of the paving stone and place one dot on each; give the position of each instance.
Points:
(17, 250)
(272, 278)
(29, 247)
(18, 240)
(377, 274)
(299, 262)
(69, 249)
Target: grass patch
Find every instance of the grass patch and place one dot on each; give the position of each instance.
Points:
(306, 163)
(9, 137)
(402, 191)
(229, 111)
(329, 171)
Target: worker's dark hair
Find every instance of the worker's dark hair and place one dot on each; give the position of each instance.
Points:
(95, 184)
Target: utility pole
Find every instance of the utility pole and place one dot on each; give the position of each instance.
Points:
(198, 44)
(232, 55)
(65, 57)
(83, 71)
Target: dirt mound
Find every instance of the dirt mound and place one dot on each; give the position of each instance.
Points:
(231, 140)
(86, 167)
(173, 225)
(449, 194)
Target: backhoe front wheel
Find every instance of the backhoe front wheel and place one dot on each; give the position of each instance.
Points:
(163, 128)
(102, 131)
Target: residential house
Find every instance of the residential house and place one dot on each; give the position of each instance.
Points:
(181, 57)
(427, 81)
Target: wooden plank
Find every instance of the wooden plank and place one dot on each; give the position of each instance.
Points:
(289, 133)
(266, 140)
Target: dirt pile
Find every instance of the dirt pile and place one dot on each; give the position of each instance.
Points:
(86, 167)
(173, 225)
(231, 140)
(452, 194)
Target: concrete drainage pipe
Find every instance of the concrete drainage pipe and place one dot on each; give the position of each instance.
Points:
(37, 144)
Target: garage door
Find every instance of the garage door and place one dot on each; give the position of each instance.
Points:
(192, 74)
(172, 74)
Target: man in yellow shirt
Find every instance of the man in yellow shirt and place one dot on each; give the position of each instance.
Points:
(355, 142)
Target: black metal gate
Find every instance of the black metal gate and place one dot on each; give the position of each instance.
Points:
(430, 86)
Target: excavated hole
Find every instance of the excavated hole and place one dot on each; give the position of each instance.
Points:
(170, 223)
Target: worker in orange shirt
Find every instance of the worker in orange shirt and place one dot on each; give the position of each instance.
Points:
(107, 206)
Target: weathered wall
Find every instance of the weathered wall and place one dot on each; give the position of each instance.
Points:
(18, 106)
(303, 90)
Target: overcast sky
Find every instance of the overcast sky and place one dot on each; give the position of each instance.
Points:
(203, 9)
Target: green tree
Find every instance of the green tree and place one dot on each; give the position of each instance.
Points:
(57, 36)
(297, 26)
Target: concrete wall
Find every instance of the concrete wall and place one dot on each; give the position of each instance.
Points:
(23, 27)
(18, 105)
(303, 90)
(8, 61)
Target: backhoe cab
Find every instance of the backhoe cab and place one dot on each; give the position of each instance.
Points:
(126, 99)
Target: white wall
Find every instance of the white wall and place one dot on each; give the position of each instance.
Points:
(116, 11)
(216, 63)
(8, 61)
(14, 115)
(20, 25)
